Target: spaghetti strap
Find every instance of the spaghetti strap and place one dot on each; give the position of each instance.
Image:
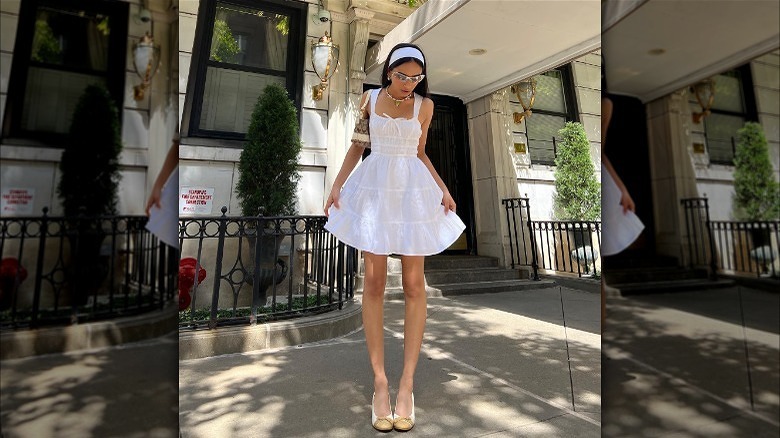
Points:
(417, 104)
(374, 94)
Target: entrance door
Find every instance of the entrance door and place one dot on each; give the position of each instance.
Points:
(628, 151)
(447, 147)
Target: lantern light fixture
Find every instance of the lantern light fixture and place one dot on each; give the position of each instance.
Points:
(146, 61)
(525, 91)
(705, 95)
(325, 61)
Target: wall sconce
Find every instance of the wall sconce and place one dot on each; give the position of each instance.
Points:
(525, 92)
(324, 54)
(704, 92)
(146, 60)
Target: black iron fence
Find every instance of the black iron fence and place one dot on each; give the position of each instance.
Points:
(255, 269)
(555, 246)
(730, 247)
(66, 270)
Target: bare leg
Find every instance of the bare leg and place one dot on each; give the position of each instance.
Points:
(414, 327)
(373, 326)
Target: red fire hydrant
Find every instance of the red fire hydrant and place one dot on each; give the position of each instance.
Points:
(9, 270)
(187, 280)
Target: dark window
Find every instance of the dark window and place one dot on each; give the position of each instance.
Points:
(61, 47)
(554, 105)
(241, 47)
(734, 104)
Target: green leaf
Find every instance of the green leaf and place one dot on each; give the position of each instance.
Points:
(577, 191)
(269, 162)
(756, 193)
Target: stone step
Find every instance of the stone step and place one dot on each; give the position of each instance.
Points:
(435, 277)
(655, 287)
(633, 261)
(482, 287)
(643, 275)
(441, 262)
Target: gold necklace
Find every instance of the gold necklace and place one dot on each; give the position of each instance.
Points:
(398, 101)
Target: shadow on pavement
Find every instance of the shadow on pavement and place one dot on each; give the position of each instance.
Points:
(484, 369)
(124, 391)
(683, 364)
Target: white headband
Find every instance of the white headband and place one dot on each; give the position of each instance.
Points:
(406, 52)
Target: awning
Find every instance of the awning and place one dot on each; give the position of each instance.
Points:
(652, 48)
(521, 39)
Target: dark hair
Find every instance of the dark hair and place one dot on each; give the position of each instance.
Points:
(422, 87)
(604, 89)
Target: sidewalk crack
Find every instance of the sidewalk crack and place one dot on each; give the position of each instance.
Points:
(568, 355)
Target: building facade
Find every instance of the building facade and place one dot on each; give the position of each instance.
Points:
(474, 143)
(50, 51)
(665, 155)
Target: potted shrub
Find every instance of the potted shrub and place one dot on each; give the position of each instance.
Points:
(756, 193)
(577, 191)
(268, 177)
(89, 176)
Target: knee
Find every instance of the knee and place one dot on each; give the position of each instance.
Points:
(374, 287)
(414, 290)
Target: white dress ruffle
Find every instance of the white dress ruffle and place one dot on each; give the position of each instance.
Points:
(391, 204)
(620, 229)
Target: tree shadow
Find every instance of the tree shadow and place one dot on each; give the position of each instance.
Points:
(481, 370)
(682, 363)
(128, 390)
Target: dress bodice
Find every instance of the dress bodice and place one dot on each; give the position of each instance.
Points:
(394, 135)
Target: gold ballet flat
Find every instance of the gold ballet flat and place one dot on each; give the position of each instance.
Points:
(404, 424)
(382, 424)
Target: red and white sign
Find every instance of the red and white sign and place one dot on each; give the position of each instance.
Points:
(196, 200)
(17, 201)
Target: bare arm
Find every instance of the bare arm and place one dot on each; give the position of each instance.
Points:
(426, 114)
(170, 163)
(350, 161)
(606, 117)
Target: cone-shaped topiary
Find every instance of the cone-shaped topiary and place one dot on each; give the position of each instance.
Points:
(90, 163)
(577, 192)
(757, 195)
(269, 162)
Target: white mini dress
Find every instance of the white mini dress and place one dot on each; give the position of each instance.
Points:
(391, 204)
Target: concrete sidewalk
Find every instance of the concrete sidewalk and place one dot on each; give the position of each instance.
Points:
(127, 390)
(692, 364)
(500, 365)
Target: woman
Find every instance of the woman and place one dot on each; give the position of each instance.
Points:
(394, 203)
(621, 226)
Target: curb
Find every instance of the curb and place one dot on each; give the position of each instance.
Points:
(763, 284)
(583, 284)
(35, 342)
(228, 340)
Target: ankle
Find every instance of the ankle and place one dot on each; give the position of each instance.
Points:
(406, 384)
(381, 385)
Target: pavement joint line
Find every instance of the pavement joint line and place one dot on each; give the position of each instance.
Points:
(497, 380)
(568, 356)
(495, 432)
(624, 355)
(162, 339)
(745, 344)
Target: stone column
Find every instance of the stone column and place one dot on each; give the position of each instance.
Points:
(358, 39)
(493, 175)
(672, 172)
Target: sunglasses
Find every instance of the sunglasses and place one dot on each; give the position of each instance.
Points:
(408, 79)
